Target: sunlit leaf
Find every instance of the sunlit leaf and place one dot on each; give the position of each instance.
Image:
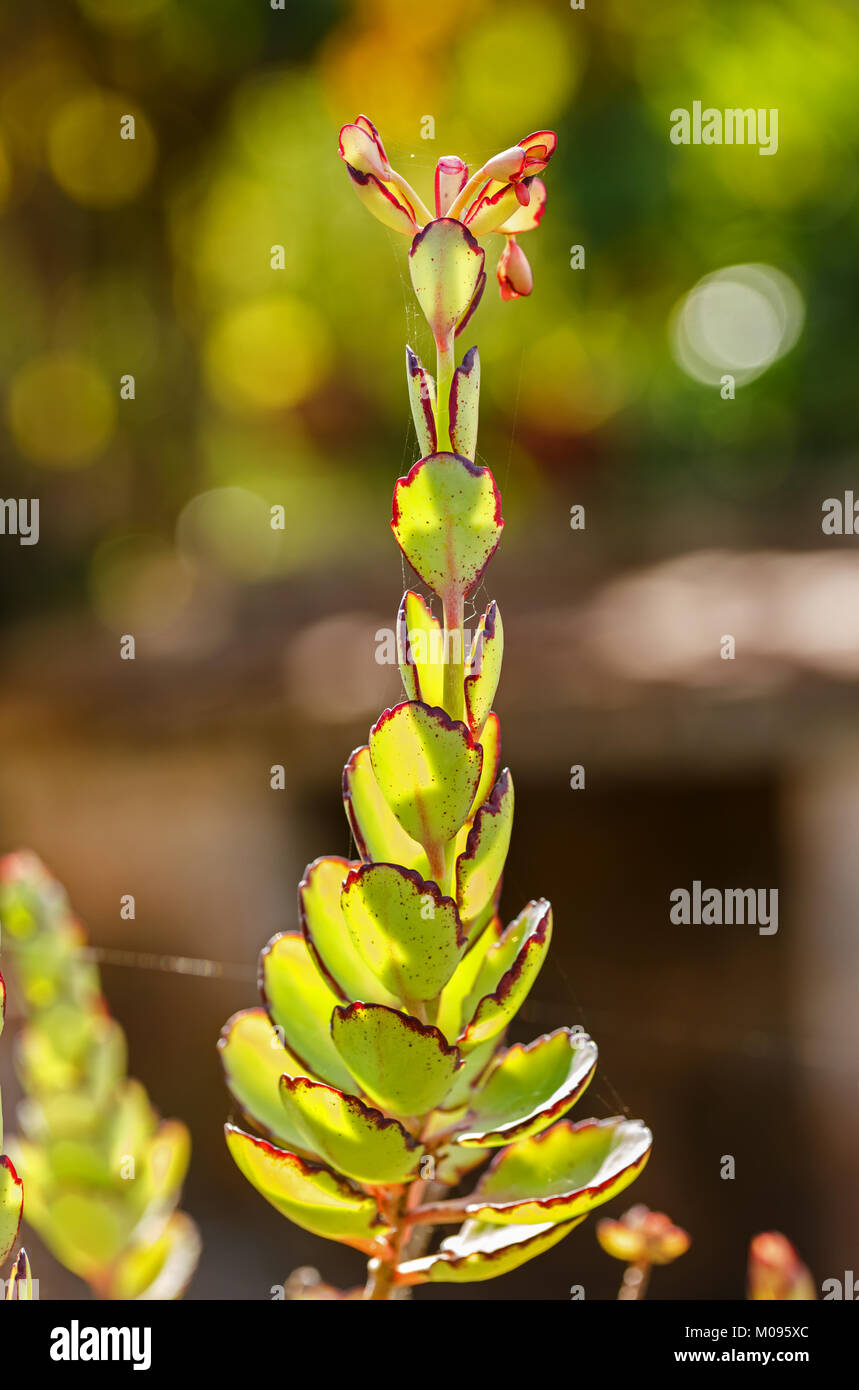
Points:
(562, 1173)
(490, 742)
(378, 834)
(509, 970)
(445, 263)
(482, 1251)
(408, 933)
(529, 1087)
(11, 1206)
(307, 1193)
(428, 770)
(484, 668)
(403, 1065)
(301, 1003)
(447, 522)
(479, 869)
(420, 650)
(422, 399)
(354, 1138)
(464, 406)
(328, 940)
(254, 1059)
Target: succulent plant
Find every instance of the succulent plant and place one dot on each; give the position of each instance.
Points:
(776, 1272)
(375, 1073)
(641, 1238)
(103, 1174)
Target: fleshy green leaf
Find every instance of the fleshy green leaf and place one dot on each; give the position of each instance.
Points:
(301, 1004)
(351, 1136)
(490, 742)
(378, 834)
(464, 406)
(562, 1173)
(470, 1075)
(422, 399)
(11, 1205)
(159, 1271)
(403, 1065)
(420, 650)
(307, 1193)
(447, 522)
(483, 1251)
(328, 941)
(254, 1059)
(428, 769)
(509, 970)
(19, 1285)
(384, 200)
(479, 869)
(529, 1087)
(446, 265)
(484, 669)
(407, 932)
(458, 1000)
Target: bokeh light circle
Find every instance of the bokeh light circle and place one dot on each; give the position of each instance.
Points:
(228, 530)
(60, 410)
(736, 321)
(88, 157)
(268, 354)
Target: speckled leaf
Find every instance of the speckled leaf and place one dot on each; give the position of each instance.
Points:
(254, 1060)
(428, 769)
(307, 1193)
(447, 521)
(484, 668)
(420, 650)
(470, 1075)
(490, 742)
(479, 869)
(408, 933)
(464, 406)
(404, 1066)
(446, 265)
(562, 1173)
(19, 1285)
(482, 1251)
(301, 1004)
(354, 1138)
(11, 1206)
(378, 834)
(422, 399)
(328, 940)
(458, 994)
(510, 969)
(529, 1087)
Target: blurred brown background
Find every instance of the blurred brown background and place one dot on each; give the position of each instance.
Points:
(256, 387)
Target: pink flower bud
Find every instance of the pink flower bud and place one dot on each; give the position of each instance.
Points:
(451, 176)
(514, 272)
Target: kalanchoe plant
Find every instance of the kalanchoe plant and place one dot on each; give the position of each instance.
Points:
(103, 1174)
(376, 1071)
(641, 1238)
(776, 1273)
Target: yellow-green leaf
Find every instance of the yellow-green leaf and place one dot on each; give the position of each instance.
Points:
(479, 869)
(562, 1173)
(428, 769)
(378, 834)
(420, 650)
(11, 1205)
(482, 1251)
(464, 406)
(422, 400)
(529, 1087)
(254, 1059)
(447, 521)
(328, 940)
(484, 668)
(408, 933)
(404, 1066)
(354, 1138)
(446, 265)
(307, 1193)
(509, 970)
(301, 1003)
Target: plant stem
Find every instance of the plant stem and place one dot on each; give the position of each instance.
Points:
(445, 365)
(635, 1280)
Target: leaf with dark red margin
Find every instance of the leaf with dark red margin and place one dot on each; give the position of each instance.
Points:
(490, 742)
(484, 669)
(405, 930)
(377, 832)
(528, 1088)
(254, 1059)
(11, 1206)
(328, 940)
(562, 1173)
(510, 969)
(446, 266)
(300, 1002)
(447, 521)
(309, 1194)
(481, 1251)
(404, 1066)
(420, 650)
(479, 869)
(422, 398)
(428, 768)
(458, 1001)
(464, 406)
(353, 1137)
